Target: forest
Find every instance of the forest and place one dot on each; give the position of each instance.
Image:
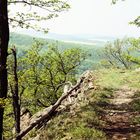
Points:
(62, 90)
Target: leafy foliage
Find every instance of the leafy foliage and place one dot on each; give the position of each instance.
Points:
(122, 53)
(136, 21)
(42, 75)
(24, 42)
(115, 54)
(2, 102)
(25, 19)
(135, 48)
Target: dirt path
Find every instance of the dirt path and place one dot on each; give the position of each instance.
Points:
(117, 116)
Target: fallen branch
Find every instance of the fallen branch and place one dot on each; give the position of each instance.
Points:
(38, 118)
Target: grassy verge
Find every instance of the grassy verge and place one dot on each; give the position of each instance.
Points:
(83, 122)
(116, 78)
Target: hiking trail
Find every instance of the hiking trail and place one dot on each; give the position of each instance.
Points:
(117, 116)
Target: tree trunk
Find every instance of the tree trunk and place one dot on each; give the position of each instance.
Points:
(15, 94)
(4, 39)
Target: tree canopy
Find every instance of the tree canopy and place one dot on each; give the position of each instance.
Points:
(28, 13)
(42, 74)
(122, 53)
(24, 14)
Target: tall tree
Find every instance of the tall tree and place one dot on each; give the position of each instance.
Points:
(36, 80)
(22, 18)
(4, 39)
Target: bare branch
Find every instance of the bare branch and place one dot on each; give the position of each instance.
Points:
(48, 111)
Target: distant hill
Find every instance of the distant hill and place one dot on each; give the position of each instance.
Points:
(67, 41)
(83, 38)
(94, 47)
(21, 39)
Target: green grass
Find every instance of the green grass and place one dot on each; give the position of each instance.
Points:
(83, 122)
(116, 78)
(132, 78)
(83, 132)
(80, 126)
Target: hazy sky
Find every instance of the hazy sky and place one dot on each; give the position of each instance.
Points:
(98, 17)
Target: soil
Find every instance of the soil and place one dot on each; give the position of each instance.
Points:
(118, 116)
